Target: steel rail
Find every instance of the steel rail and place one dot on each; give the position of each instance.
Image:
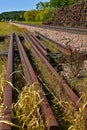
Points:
(24, 64)
(40, 43)
(27, 39)
(40, 48)
(63, 84)
(66, 51)
(61, 47)
(46, 110)
(7, 94)
(68, 29)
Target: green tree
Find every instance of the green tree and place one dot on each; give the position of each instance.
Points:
(13, 15)
(39, 16)
(42, 5)
(47, 14)
(44, 11)
(61, 3)
(1, 17)
(30, 15)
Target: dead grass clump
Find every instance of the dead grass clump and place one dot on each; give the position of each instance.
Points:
(75, 116)
(2, 75)
(26, 112)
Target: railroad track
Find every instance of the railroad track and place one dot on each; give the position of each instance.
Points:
(7, 95)
(38, 53)
(61, 47)
(38, 50)
(31, 78)
(60, 28)
(68, 29)
(65, 50)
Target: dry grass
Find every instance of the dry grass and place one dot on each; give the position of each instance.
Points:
(2, 77)
(26, 112)
(71, 114)
(75, 116)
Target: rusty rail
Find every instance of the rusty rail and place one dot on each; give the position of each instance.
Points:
(31, 77)
(66, 51)
(42, 48)
(7, 97)
(63, 84)
(61, 47)
(46, 110)
(39, 42)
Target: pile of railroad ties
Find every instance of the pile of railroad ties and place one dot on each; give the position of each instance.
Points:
(71, 16)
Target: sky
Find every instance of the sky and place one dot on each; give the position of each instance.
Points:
(18, 5)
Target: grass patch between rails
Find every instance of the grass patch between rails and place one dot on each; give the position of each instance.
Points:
(47, 77)
(4, 44)
(3, 61)
(2, 78)
(51, 46)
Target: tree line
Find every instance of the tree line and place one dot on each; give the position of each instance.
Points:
(13, 16)
(44, 11)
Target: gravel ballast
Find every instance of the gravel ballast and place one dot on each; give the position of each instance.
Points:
(74, 40)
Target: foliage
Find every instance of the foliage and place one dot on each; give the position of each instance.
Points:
(30, 15)
(61, 3)
(38, 15)
(53, 4)
(47, 14)
(42, 5)
(43, 9)
(13, 15)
